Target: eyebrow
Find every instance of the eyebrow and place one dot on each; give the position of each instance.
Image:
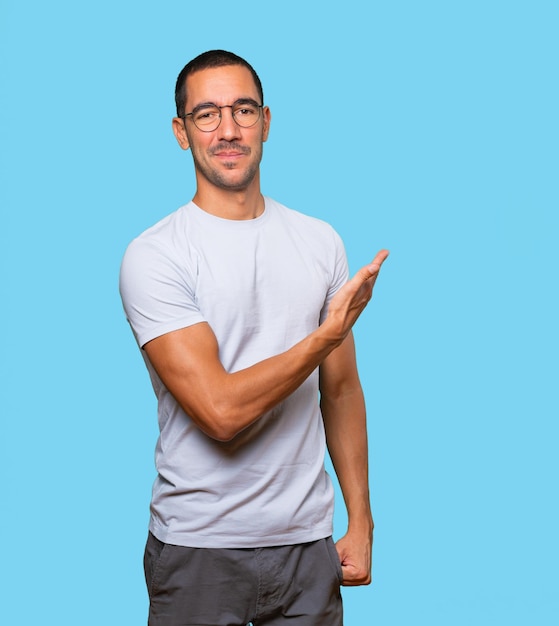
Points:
(206, 105)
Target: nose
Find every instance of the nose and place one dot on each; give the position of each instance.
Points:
(228, 129)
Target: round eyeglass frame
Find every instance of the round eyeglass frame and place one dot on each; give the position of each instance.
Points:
(226, 106)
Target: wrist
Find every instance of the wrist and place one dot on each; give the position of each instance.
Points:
(361, 523)
(330, 333)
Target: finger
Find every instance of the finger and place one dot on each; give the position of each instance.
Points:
(355, 577)
(376, 263)
(373, 268)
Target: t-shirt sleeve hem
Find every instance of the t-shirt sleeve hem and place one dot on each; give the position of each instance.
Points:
(169, 327)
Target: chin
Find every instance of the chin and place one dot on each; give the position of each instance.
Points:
(239, 182)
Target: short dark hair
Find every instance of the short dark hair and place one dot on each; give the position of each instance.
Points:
(207, 60)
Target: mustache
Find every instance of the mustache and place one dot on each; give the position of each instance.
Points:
(229, 145)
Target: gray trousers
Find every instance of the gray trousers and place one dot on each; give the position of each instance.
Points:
(298, 584)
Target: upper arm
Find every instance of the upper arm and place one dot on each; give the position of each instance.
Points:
(338, 372)
(187, 361)
(159, 300)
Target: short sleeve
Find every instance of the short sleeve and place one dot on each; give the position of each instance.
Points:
(158, 292)
(339, 269)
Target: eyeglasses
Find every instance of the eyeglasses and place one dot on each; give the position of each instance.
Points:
(207, 117)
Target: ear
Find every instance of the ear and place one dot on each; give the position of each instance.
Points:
(179, 131)
(267, 116)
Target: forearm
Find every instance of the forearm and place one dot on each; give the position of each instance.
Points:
(346, 433)
(222, 404)
(269, 382)
(247, 394)
(343, 410)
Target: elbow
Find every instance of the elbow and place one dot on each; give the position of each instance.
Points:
(220, 433)
(223, 423)
(219, 416)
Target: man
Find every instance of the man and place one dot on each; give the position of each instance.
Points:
(243, 313)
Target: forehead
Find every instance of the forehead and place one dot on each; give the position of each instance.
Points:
(221, 85)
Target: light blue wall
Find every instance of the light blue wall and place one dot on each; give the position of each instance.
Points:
(429, 128)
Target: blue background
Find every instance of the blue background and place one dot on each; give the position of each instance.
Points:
(448, 157)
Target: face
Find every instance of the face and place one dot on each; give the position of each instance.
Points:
(229, 157)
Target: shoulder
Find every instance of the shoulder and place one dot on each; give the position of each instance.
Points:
(306, 224)
(158, 256)
(162, 231)
(164, 239)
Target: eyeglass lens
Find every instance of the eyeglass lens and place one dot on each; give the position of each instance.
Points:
(209, 117)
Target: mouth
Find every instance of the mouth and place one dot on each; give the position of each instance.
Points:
(232, 151)
(228, 155)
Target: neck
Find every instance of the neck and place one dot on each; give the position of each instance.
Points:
(244, 204)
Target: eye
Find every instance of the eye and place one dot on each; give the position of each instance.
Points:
(206, 115)
(244, 111)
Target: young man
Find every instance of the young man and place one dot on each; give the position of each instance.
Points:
(243, 312)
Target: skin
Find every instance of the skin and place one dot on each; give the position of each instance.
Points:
(222, 404)
(227, 160)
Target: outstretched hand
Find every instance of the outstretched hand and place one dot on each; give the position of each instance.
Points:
(350, 301)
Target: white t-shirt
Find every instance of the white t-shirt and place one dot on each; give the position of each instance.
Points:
(262, 285)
